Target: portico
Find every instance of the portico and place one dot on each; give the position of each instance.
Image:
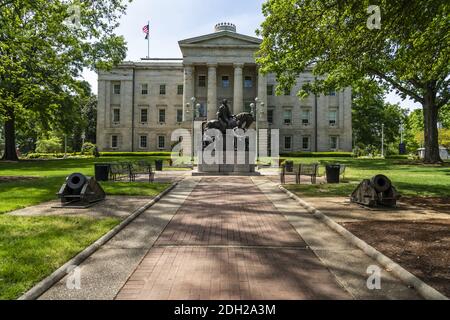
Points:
(221, 66)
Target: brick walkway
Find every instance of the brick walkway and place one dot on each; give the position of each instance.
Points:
(229, 242)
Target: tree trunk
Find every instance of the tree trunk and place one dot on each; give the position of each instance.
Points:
(430, 115)
(10, 137)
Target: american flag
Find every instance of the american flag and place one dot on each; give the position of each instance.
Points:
(146, 30)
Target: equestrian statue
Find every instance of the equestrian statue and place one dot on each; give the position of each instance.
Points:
(226, 121)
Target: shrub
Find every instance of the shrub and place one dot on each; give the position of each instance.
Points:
(88, 148)
(52, 145)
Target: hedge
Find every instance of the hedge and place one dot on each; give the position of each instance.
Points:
(75, 155)
(317, 155)
(135, 154)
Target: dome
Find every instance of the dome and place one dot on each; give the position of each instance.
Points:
(225, 26)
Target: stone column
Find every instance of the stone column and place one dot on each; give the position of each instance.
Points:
(188, 90)
(212, 91)
(238, 98)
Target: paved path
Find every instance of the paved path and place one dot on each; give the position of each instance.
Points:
(106, 271)
(228, 241)
(348, 263)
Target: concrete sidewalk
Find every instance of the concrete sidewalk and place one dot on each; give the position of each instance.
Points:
(347, 263)
(107, 270)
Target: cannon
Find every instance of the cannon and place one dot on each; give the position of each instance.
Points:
(376, 192)
(80, 191)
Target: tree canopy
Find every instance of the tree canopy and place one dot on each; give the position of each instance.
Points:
(371, 112)
(341, 42)
(44, 46)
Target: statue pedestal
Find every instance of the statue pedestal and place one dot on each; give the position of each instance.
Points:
(227, 170)
(246, 167)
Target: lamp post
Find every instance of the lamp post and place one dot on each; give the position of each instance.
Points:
(382, 140)
(256, 112)
(195, 107)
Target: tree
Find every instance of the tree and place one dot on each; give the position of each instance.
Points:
(44, 46)
(342, 43)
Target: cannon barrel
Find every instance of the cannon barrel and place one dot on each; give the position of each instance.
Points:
(381, 183)
(76, 181)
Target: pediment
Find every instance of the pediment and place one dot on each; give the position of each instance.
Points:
(223, 38)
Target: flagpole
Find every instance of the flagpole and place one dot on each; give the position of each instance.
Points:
(148, 40)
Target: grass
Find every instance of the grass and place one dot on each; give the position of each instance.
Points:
(409, 177)
(51, 174)
(32, 248)
(134, 188)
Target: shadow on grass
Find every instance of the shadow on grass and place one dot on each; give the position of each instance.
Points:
(32, 248)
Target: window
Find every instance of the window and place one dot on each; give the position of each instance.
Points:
(116, 115)
(179, 115)
(287, 92)
(162, 116)
(143, 142)
(334, 143)
(332, 93)
(180, 90)
(270, 113)
(333, 118)
(287, 116)
(116, 88)
(287, 143)
(161, 142)
(306, 143)
(225, 81)
(270, 90)
(162, 89)
(114, 142)
(202, 81)
(144, 115)
(306, 116)
(144, 88)
(248, 82)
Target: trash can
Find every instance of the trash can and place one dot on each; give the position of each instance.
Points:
(159, 165)
(289, 166)
(333, 173)
(102, 171)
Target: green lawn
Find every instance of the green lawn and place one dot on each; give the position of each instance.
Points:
(51, 175)
(32, 248)
(410, 178)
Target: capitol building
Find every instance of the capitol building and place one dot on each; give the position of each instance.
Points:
(141, 103)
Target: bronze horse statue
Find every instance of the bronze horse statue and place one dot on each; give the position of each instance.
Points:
(227, 121)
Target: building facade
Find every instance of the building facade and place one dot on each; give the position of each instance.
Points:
(141, 103)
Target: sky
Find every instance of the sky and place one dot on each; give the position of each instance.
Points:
(174, 20)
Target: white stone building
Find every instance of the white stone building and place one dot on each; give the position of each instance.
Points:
(142, 103)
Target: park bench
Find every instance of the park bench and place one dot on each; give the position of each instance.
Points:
(119, 170)
(311, 170)
(286, 172)
(342, 170)
(141, 167)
